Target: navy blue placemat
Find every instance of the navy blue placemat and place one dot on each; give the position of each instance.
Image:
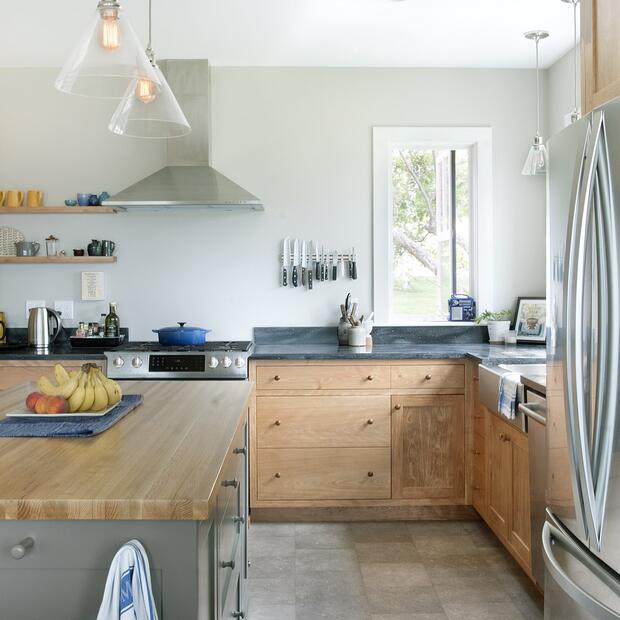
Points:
(79, 426)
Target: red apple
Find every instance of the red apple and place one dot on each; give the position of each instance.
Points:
(31, 400)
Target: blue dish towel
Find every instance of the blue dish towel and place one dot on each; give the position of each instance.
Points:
(508, 389)
(79, 426)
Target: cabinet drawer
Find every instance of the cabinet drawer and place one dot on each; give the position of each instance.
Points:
(322, 377)
(322, 421)
(449, 376)
(324, 473)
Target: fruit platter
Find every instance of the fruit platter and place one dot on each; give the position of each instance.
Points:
(77, 393)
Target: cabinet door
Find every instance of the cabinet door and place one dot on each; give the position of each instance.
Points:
(600, 52)
(499, 485)
(519, 536)
(428, 443)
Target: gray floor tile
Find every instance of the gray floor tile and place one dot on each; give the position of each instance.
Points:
(326, 560)
(343, 610)
(395, 577)
(271, 612)
(482, 611)
(472, 590)
(323, 536)
(266, 592)
(438, 545)
(422, 616)
(380, 532)
(272, 567)
(415, 600)
(391, 552)
(442, 528)
(329, 587)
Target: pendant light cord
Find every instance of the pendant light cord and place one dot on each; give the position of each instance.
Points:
(149, 48)
(537, 91)
(575, 2)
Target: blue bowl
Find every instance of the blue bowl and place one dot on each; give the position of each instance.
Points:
(70, 202)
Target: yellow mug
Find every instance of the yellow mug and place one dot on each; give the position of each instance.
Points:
(2, 328)
(35, 198)
(14, 198)
(1, 198)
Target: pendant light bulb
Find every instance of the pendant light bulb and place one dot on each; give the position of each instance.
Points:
(146, 91)
(110, 29)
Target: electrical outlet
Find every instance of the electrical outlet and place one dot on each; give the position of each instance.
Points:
(65, 308)
(33, 303)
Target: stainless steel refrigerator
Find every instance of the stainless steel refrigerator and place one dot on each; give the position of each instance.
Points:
(581, 536)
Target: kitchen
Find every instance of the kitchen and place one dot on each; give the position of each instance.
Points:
(302, 125)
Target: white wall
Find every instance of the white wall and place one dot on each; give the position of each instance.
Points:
(561, 92)
(301, 140)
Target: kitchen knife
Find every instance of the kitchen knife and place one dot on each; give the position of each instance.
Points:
(342, 270)
(353, 264)
(295, 261)
(335, 265)
(304, 262)
(317, 264)
(310, 269)
(322, 264)
(285, 260)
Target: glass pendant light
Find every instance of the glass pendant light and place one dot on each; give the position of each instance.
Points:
(574, 115)
(149, 109)
(108, 58)
(536, 161)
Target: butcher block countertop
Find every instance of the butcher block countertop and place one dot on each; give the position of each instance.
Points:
(161, 461)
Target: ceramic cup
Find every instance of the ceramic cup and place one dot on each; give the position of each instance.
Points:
(357, 336)
(83, 199)
(27, 248)
(94, 248)
(78, 252)
(34, 198)
(14, 198)
(1, 198)
(93, 200)
(107, 247)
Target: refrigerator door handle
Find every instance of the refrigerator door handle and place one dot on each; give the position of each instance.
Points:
(552, 535)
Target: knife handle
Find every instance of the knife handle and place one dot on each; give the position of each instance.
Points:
(284, 277)
(335, 272)
(310, 279)
(354, 270)
(295, 275)
(303, 276)
(350, 269)
(317, 272)
(322, 271)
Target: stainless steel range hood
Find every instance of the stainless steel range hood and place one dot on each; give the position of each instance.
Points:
(188, 182)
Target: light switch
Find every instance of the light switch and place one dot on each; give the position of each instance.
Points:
(65, 308)
(33, 303)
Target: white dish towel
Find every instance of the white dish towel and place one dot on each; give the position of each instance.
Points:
(508, 387)
(128, 593)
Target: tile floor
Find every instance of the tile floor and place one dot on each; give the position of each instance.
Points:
(385, 571)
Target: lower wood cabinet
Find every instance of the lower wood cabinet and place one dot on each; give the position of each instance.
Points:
(428, 443)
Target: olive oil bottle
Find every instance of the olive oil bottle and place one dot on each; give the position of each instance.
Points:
(112, 322)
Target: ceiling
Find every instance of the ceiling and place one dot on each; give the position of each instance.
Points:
(384, 33)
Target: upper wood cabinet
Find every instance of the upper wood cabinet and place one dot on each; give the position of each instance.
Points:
(428, 441)
(600, 52)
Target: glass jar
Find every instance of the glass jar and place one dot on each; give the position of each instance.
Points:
(51, 246)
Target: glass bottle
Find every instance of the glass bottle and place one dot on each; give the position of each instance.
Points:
(112, 322)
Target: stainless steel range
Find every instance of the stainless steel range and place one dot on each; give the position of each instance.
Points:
(150, 360)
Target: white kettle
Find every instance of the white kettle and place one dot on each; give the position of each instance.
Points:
(39, 327)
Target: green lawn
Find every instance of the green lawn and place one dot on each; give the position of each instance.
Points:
(418, 300)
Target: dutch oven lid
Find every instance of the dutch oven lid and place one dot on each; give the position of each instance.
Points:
(181, 328)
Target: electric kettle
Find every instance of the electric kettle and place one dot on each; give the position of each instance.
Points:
(39, 327)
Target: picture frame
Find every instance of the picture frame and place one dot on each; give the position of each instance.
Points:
(530, 320)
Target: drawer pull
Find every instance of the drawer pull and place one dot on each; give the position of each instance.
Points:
(477, 452)
(477, 489)
(397, 406)
(276, 378)
(370, 421)
(230, 564)
(230, 483)
(370, 377)
(277, 422)
(371, 474)
(475, 379)
(504, 437)
(477, 417)
(277, 474)
(22, 548)
(240, 451)
(237, 614)
(428, 377)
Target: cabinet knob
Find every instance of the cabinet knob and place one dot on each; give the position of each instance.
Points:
(371, 474)
(428, 377)
(240, 451)
(398, 406)
(477, 452)
(504, 437)
(477, 417)
(22, 547)
(475, 379)
(230, 483)
(230, 564)
(370, 377)
(370, 421)
(237, 614)
(278, 475)
(276, 378)
(477, 489)
(277, 422)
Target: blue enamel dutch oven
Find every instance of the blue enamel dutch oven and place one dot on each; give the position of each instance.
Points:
(181, 336)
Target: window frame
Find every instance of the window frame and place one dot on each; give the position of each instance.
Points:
(479, 141)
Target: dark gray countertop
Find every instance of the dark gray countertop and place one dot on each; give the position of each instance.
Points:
(55, 352)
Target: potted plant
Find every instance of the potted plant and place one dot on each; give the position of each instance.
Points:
(497, 322)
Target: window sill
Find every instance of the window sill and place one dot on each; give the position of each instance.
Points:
(406, 323)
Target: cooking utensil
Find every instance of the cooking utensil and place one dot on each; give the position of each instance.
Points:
(347, 303)
(353, 264)
(39, 327)
(286, 257)
(321, 260)
(181, 336)
(310, 266)
(342, 269)
(304, 262)
(295, 262)
(335, 265)
(317, 263)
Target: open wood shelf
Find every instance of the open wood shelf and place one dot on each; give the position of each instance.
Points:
(56, 259)
(77, 210)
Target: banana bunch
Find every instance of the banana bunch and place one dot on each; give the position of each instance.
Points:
(87, 389)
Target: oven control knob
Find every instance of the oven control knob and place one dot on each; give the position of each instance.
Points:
(136, 362)
(227, 362)
(239, 362)
(214, 362)
(118, 362)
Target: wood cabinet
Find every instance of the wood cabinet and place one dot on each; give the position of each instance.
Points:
(428, 442)
(15, 372)
(600, 52)
(322, 377)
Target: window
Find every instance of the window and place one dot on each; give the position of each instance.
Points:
(427, 207)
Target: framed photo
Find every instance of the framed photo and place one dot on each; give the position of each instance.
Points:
(530, 320)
